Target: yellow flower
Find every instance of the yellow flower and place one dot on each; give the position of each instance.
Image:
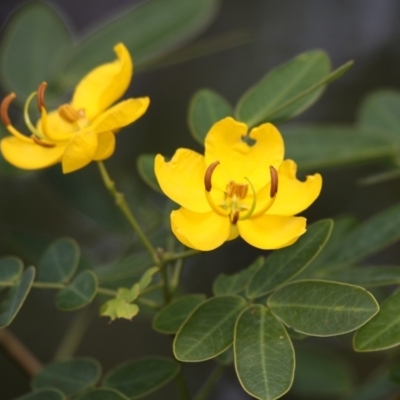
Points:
(81, 131)
(241, 186)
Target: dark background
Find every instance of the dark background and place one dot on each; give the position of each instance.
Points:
(366, 31)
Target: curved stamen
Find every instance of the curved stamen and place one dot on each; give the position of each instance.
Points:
(273, 191)
(40, 96)
(27, 119)
(5, 104)
(253, 204)
(208, 187)
(41, 143)
(274, 181)
(208, 175)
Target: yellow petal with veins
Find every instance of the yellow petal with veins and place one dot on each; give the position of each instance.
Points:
(203, 231)
(224, 143)
(182, 179)
(105, 146)
(104, 85)
(293, 195)
(79, 151)
(270, 232)
(120, 115)
(30, 155)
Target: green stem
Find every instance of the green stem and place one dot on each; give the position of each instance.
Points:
(168, 257)
(210, 383)
(74, 335)
(120, 201)
(176, 276)
(182, 386)
(165, 281)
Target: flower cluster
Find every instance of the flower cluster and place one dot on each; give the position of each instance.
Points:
(241, 186)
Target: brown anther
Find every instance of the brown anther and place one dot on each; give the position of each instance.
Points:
(235, 218)
(40, 95)
(236, 189)
(68, 113)
(5, 104)
(274, 181)
(208, 175)
(41, 143)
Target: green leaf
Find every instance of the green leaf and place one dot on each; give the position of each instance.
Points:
(283, 265)
(26, 37)
(15, 297)
(148, 31)
(145, 165)
(71, 376)
(172, 316)
(79, 293)
(323, 308)
(44, 394)
(236, 283)
(208, 331)
(382, 331)
(102, 394)
(341, 227)
(139, 378)
(321, 373)
(288, 90)
(119, 308)
(320, 146)
(367, 276)
(264, 355)
(380, 110)
(10, 269)
(59, 262)
(129, 295)
(205, 109)
(368, 238)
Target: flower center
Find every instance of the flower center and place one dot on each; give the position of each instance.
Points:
(237, 202)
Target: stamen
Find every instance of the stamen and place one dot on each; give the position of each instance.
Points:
(5, 104)
(40, 95)
(68, 113)
(27, 119)
(238, 189)
(253, 204)
(274, 181)
(208, 175)
(235, 217)
(41, 143)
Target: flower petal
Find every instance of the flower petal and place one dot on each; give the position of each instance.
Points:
(182, 179)
(224, 143)
(120, 115)
(201, 231)
(105, 84)
(30, 155)
(269, 232)
(293, 195)
(105, 146)
(56, 124)
(79, 152)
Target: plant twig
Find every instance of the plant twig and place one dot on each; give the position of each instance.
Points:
(19, 353)
(74, 334)
(120, 201)
(210, 383)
